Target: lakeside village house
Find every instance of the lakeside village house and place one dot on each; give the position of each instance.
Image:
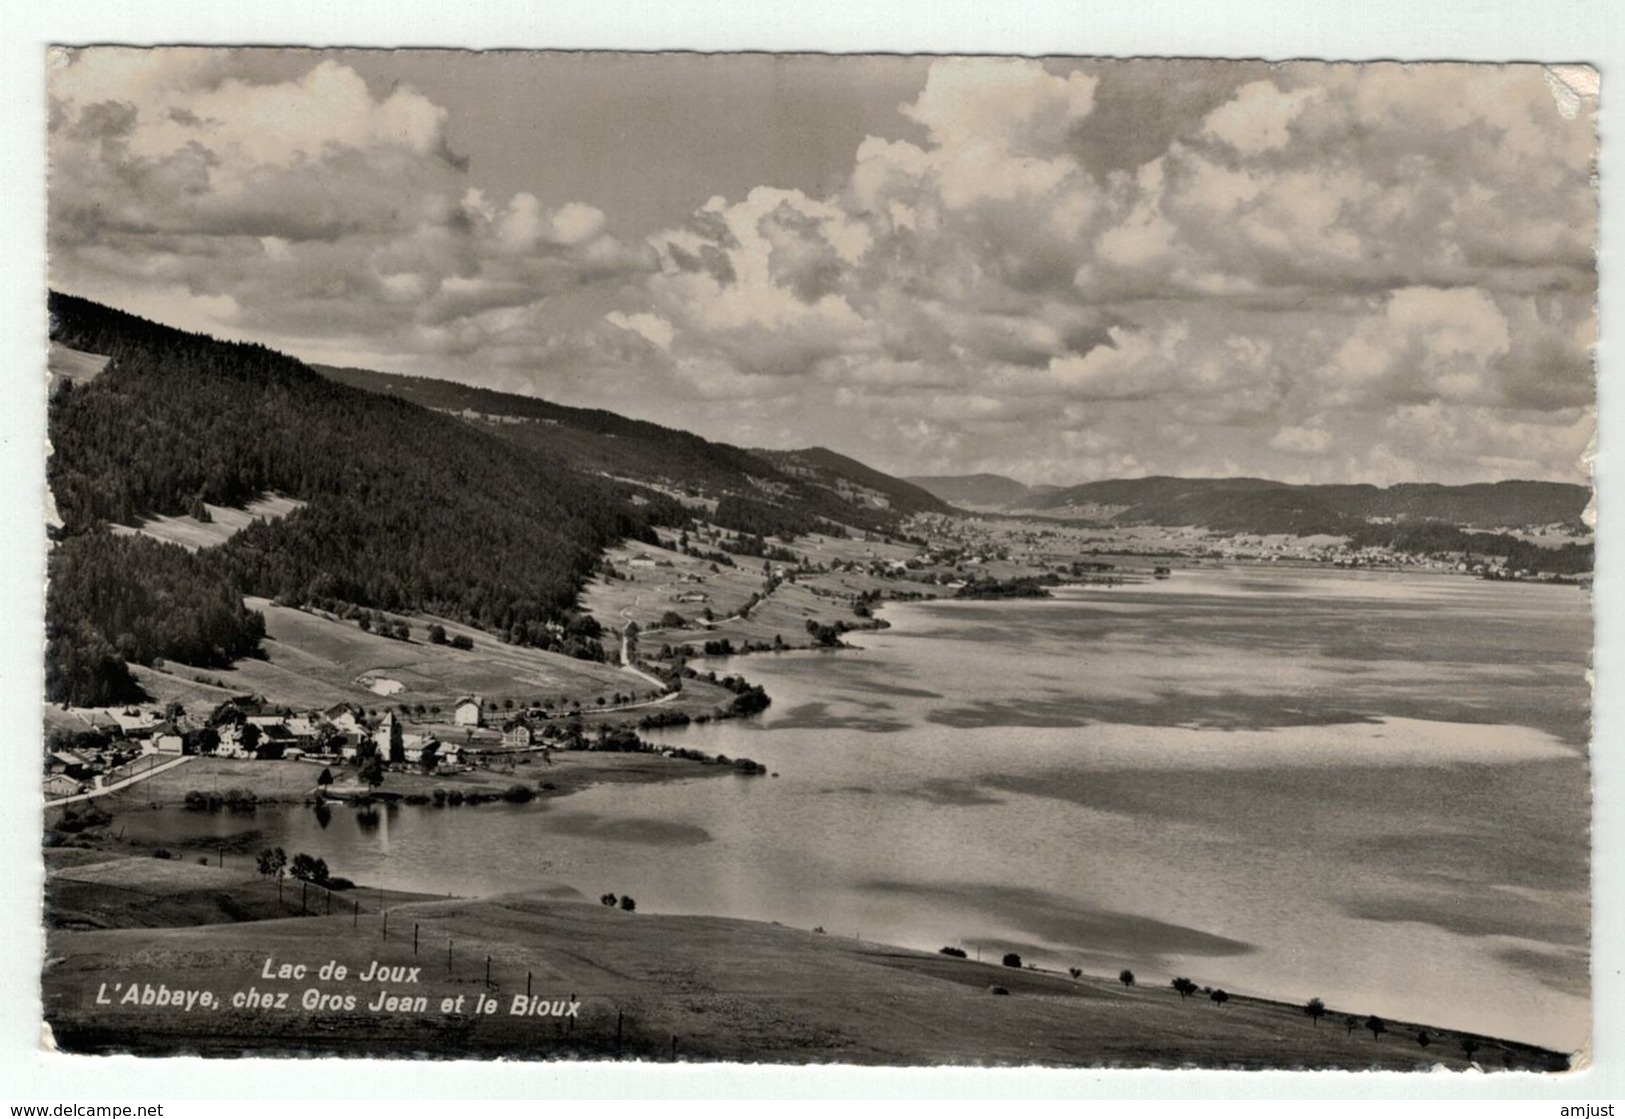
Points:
(244, 728)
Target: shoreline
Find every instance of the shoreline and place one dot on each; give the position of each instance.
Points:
(747, 995)
(277, 783)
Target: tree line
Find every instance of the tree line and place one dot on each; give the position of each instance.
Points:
(757, 518)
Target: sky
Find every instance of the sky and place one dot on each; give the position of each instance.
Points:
(1059, 270)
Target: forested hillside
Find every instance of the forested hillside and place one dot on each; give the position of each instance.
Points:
(975, 489)
(800, 488)
(405, 508)
(854, 482)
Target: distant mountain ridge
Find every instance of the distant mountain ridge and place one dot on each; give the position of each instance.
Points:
(1260, 505)
(975, 489)
(807, 485)
(855, 481)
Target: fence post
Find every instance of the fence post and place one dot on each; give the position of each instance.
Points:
(488, 971)
(448, 955)
(674, 1047)
(386, 924)
(414, 938)
(527, 984)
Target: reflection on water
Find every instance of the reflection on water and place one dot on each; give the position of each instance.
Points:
(1371, 788)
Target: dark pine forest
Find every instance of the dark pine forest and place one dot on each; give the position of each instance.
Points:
(407, 509)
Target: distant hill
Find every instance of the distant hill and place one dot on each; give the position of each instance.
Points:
(852, 481)
(1479, 505)
(1257, 505)
(985, 490)
(806, 486)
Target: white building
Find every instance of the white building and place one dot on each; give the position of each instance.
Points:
(469, 712)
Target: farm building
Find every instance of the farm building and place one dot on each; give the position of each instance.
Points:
(274, 742)
(419, 749)
(344, 716)
(134, 722)
(469, 712)
(61, 785)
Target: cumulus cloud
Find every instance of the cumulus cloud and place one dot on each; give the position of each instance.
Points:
(1310, 271)
(312, 212)
(652, 328)
(1258, 118)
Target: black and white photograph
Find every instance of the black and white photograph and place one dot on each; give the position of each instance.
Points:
(896, 560)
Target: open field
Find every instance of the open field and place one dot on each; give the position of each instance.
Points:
(89, 889)
(819, 548)
(315, 660)
(224, 522)
(650, 592)
(65, 364)
(784, 613)
(716, 989)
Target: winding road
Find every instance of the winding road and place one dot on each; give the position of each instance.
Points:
(133, 779)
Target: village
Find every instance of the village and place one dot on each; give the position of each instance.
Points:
(1056, 546)
(120, 746)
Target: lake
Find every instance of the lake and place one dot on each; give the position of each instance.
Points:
(1368, 787)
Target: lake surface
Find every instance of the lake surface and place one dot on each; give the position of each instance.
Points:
(1367, 787)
